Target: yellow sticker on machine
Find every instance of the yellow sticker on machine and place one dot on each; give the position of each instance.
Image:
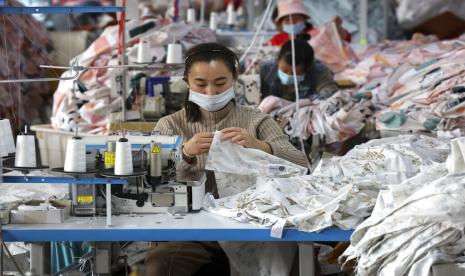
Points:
(156, 149)
(109, 158)
(85, 199)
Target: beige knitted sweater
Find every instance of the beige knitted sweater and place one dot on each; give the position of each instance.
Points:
(258, 124)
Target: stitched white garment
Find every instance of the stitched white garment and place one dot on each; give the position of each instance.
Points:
(342, 191)
(236, 168)
(416, 224)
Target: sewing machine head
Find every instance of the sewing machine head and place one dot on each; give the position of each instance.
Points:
(158, 190)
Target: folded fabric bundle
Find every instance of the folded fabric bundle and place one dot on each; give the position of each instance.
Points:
(337, 118)
(415, 224)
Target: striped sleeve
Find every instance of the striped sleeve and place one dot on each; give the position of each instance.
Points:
(270, 132)
(164, 127)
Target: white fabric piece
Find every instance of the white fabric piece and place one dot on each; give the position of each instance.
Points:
(456, 161)
(410, 14)
(247, 161)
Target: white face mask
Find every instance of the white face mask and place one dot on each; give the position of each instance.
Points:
(212, 103)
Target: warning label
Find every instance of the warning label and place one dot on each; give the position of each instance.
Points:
(85, 199)
(156, 149)
(109, 159)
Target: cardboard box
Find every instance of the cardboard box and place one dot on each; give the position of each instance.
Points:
(40, 217)
(454, 269)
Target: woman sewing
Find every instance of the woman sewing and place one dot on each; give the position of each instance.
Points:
(315, 79)
(210, 72)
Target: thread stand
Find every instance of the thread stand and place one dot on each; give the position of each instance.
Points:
(110, 173)
(73, 174)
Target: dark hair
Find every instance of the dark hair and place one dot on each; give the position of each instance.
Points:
(303, 53)
(274, 14)
(207, 52)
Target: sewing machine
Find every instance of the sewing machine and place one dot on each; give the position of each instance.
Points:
(155, 186)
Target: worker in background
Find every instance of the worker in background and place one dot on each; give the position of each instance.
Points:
(210, 72)
(315, 79)
(293, 19)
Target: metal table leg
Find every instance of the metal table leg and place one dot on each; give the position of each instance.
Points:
(41, 258)
(108, 195)
(306, 259)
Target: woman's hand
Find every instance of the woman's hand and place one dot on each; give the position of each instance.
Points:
(198, 144)
(242, 137)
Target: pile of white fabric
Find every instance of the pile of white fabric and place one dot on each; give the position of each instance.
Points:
(341, 192)
(416, 224)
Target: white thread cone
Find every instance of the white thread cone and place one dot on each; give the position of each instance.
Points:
(75, 160)
(3, 147)
(190, 16)
(25, 151)
(232, 18)
(9, 140)
(214, 20)
(143, 52)
(123, 158)
(174, 55)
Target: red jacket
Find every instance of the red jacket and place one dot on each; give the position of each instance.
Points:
(281, 38)
(237, 3)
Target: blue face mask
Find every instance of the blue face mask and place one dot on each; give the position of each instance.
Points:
(294, 28)
(289, 79)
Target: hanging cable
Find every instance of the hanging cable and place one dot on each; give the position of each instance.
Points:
(296, 88)
(260, 26)
(19, 78)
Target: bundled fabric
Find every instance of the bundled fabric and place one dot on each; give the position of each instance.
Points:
(415, 224)
(331, 49)
(377, 61)
(34, 51)
(341, 192)
(337, 118)
(427, 97)
(88, 103)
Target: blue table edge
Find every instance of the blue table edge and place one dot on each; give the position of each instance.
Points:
(12, 234)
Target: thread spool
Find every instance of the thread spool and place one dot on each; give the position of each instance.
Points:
(9, 140)
(109, 155)
(214, 20)
(174, 55)
(232, 17)
(3, 149)
(190, 15)
(155, 160)
(123, 158)
(25, 151)
(143, 52)
(75, 160)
